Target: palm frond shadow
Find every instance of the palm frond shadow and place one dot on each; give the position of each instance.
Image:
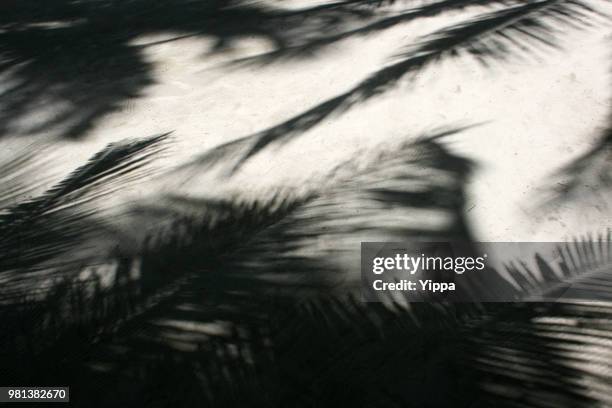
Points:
(22, 175)
(547, 354)
(222, 345)
(230, 340)
(522, 30)
(53, 53)
(185, 271)
(52, 229)
(276, 320)
(312, 46)
(44, 303)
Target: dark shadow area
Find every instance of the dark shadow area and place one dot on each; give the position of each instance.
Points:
(45, 239)
(22, 173)
(257, 304)
(80, 57)
(73, 62)
(523, 30)
(237, 295)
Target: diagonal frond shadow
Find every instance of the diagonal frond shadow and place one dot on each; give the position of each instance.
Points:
(520, 30)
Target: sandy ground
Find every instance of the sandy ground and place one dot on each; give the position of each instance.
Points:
(530, 117)
(524, 119)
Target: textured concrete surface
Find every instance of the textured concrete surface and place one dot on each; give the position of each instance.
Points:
(529, 118)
